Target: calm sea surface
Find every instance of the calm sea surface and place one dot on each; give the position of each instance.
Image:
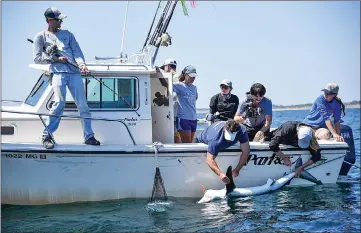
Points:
(325, 208)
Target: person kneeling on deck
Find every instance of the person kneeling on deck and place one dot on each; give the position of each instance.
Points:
(221, 135)
(295, 133)
(63, 74)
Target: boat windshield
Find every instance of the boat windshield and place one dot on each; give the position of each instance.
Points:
(38, 90)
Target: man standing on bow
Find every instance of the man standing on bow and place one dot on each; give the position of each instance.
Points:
(63, 74)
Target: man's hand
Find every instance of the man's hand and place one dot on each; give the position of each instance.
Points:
(224, 178)
(298, 171)
(61, 59)
(235, 172)
(239, 119)
(287, 161)
(338, 138)
(84, 69)
(259, 137)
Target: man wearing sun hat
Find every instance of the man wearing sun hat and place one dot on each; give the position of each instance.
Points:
(220, 135)
(63, 74)
(295, 133)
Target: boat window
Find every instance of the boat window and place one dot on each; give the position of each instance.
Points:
(106, 96)
(38, 90)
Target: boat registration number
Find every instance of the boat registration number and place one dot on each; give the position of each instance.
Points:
(25, 156)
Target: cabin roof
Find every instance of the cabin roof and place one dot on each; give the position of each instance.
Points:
(109, 69)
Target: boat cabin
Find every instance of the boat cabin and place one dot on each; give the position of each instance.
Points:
(130, 95)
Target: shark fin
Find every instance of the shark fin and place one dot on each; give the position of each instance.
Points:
(298, 162)
(230, 186)
(305, 174)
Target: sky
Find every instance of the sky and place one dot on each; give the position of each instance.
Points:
(293, 48)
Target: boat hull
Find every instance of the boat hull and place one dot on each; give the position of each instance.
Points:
(34, 176)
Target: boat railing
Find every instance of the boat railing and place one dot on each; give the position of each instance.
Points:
(40, 115)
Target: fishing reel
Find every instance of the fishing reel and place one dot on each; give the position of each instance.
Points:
(166, 39)
(51, 49)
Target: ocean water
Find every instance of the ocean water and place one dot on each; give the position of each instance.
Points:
(324, 208)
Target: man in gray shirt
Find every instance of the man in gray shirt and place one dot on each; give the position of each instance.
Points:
(63, 74)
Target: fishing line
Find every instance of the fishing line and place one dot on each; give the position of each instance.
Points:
(202, 186)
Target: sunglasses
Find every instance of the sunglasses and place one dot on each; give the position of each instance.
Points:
(329, 93)
(59, 20)
(224, 87)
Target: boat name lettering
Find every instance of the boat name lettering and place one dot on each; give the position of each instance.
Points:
(25, 156)
(266, 160)
(130, 119)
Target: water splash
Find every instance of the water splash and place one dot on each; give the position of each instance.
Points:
(159, 206)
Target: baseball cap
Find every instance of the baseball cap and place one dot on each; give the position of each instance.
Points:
(226, 82)
(54, 13)
(331, 88)
(169, 61)
(304, 135)
(191, 71)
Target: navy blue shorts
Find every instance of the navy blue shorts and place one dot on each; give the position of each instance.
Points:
(186, 125)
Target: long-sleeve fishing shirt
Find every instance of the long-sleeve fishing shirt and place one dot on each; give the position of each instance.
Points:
(67, 46)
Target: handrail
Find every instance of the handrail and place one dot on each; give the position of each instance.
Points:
(103, 64)
(12, 101)
(75, 117)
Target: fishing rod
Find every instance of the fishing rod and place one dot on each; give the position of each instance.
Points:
(151, 26)
(53, 50)
(164, 23)
(159, 25)
(167, 21)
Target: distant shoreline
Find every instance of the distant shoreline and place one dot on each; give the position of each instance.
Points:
(286, 108)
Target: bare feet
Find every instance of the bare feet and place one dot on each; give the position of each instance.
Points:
(287, 161)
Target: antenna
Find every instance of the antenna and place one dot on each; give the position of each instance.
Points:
(125, 23)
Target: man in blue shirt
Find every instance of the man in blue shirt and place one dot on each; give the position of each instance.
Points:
(63, 74)
(255, 112)
(221, 135)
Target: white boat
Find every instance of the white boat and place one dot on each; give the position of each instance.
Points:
(135, 140)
